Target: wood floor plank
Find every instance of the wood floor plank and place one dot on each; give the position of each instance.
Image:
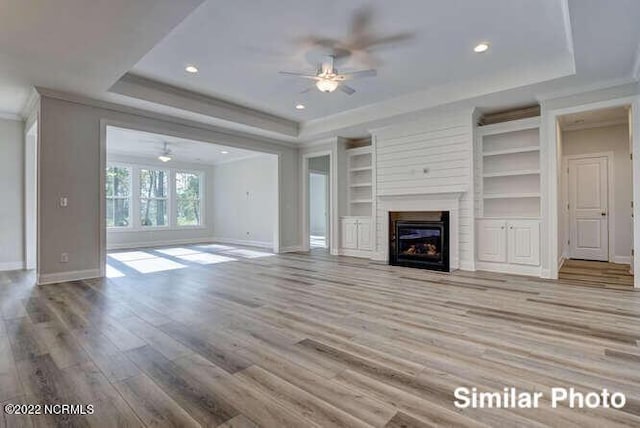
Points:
(298, 400)
(152, 405)
(310, 339)
(202, 403)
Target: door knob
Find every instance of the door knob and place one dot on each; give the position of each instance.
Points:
(603, 214)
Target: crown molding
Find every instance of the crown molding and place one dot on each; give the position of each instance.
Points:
(10, 116)
(635, 72)
(30, 105)
(623, 86)
(145, 89)
(232, 134)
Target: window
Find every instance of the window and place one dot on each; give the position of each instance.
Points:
(118, 193)
(153, 197)
(188, 199)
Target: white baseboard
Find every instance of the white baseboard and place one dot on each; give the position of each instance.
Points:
(149, 244)
(52, 278)
(11, 266)
(467, 265)
(546, 273)
(623, 260)
(248, 243)
(561, 261)
(510, 268)
(354, 253)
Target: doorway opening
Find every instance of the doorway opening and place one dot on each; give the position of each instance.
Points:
(172, 202)
(31, 197)
(318, 206)
(595, 208)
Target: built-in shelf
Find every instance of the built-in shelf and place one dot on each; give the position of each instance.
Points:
(360, 192)
(511, 173)
(510, 195)
(512, 151)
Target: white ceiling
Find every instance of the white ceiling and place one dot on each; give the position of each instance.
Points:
(240, 46)
(539, 49)
(77, 45)
(145, 145)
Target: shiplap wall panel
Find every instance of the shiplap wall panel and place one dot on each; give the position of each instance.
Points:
(442, 144)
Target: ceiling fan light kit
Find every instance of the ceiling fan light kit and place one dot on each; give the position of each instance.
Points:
(328, 79)
(327, 85)
(166, 154)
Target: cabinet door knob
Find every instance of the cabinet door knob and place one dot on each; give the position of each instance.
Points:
(502, 227)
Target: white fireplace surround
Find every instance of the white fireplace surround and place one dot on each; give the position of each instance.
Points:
(445, 201)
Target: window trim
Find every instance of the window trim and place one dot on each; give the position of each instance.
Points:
(135, 202)
(201, 176)
(130, 168)
(166, 198)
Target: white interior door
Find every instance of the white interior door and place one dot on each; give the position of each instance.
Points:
(588, 208)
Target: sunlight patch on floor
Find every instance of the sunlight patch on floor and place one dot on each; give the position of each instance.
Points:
(144, 262)
(248, 254)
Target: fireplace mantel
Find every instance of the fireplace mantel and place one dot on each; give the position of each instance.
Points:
(445, 193)
(446, 200)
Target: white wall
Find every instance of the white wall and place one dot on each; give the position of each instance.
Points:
(11, 191)
(244, 201)
(121, 238)
(605, 139)
(318, 184)
(442, 142)
(70, 165)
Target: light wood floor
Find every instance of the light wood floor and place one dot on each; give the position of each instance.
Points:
(596, 274)
(303, 340)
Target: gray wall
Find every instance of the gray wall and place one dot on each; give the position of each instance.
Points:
(121, 238)
(243, 191)
(605, 139)
(11, 191)
(70, 166)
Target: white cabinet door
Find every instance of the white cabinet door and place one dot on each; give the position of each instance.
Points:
(492, 241)
(349, 233)
(364, 234)
(524, 242)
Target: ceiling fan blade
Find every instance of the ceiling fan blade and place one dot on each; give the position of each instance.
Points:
(358, 74)
(346, 89)
(303, 75)
(377, 42)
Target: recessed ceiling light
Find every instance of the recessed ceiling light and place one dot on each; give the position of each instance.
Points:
(191, 69)
(224, 152)
(481, 47)
(300, 106)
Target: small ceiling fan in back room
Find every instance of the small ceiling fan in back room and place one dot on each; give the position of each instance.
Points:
(358, 46)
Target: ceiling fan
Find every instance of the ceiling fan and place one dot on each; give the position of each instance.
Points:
(328, 79)
(166, 154)
(360, 42)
